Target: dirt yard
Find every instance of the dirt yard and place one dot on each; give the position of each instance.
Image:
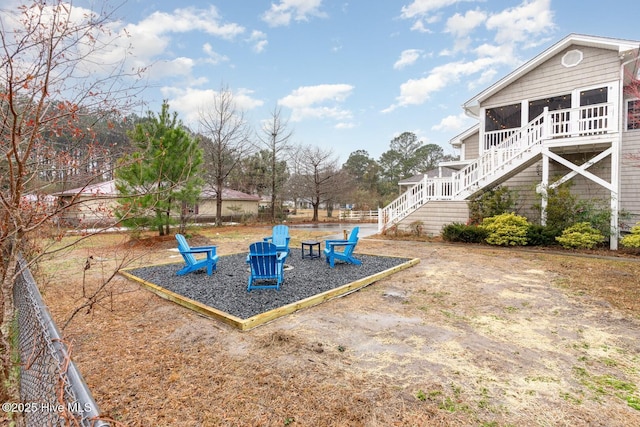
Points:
(471, 336)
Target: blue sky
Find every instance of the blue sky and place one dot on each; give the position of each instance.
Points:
(354, 74)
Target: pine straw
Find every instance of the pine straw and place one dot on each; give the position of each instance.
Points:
(149, 362)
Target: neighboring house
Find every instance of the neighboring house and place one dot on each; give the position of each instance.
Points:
(439, 172)
(95, 204)
(90, 205)
(235, 204)
(561, 116)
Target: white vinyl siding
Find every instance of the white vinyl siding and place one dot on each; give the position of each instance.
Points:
(552, 78)
(471, 147)
(582, 187)
(630, 175)
(524, 185)
(436, 214)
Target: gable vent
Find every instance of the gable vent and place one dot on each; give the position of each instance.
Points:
(572, 58)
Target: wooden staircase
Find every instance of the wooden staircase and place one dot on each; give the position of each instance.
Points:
(513, 152)
(517, 152)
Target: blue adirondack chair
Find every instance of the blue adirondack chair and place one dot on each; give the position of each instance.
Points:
(280, 237)
(346, 254)
(267, 265)
(192, 263)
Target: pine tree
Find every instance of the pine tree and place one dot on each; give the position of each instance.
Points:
(162, 176)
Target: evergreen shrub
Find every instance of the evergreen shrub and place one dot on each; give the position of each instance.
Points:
(540, 235)
(632, 240)
(507, 229)
(458, 232)
(580, 236)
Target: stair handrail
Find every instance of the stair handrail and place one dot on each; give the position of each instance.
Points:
(449, 188)
(510, 148)
(501, 155)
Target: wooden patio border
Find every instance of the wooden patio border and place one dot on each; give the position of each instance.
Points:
(268, 316)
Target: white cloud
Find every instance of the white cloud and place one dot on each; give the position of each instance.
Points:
(345, 125)
(424, 7)
(308, 95)
(151, 38)
(518, 24)
(454, 123)
(100, 50)
(188, 102)
(418, 91)
(422, 23)
(407, 57)
(213, 56)
(459, 45)
(462, 25)
(282, 13)
(258, 39)
(505, 54)
(245, 100)
(176, 67)
(189, 19)
(260, 46)
(420, 27)
(486, 77)
(515, 28)
(318, 102)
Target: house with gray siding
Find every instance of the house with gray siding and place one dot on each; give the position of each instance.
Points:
(565, 115)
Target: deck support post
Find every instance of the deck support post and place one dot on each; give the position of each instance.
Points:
(542, 189)
(615, 192)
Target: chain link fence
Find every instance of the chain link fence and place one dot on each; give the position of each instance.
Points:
(52, 391)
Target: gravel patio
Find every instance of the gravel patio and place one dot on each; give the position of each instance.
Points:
(307, 282)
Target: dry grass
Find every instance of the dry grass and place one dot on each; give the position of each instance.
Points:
(396, 353)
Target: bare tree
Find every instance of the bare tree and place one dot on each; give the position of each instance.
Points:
(52, 72)
(227, 143)
(319, 173)
(295, 188)
(276, 138)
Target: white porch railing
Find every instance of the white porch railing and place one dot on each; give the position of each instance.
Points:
(500, 159)
(505, 150)
(493, 138)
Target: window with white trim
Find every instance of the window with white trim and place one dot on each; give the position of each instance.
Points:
(632, 114)
(572, 58)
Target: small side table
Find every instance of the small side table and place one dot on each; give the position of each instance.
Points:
(310, 244)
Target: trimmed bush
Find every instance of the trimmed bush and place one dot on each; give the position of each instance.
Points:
(507, 229)
(540, 235)
(632, 240)
(580, 236)
(458, 232)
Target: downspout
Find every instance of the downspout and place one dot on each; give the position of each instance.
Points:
(615, 160)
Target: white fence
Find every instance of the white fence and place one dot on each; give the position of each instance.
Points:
(367, 216)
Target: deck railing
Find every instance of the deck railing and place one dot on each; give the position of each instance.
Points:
(504, 151)
(497, 160)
